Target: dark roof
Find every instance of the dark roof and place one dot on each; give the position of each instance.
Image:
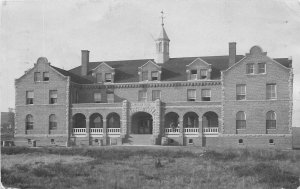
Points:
(172, 70)
(74, 77)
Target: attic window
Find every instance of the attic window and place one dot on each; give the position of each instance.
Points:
(46, 76)
(145, 76)
(193, 74)
(99, 77)
(108, 77)
(154, 76)
(203, 74)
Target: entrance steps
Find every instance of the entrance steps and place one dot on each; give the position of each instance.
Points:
(138, 139)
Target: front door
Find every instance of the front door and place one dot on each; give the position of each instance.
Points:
(145, 126)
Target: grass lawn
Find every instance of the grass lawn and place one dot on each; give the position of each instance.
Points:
(149, 167)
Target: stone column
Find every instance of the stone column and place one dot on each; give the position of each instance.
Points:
(156, 123)
(181, 134)
(87, 125)
(200, 131)
(124, 120)
(70, 133)
(104, 132)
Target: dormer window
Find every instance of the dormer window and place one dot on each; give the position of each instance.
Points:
(108, 77)
(99, 77)
(203, 74)
(154, 76)
(145, 76)
(193, 74)
(261, 68)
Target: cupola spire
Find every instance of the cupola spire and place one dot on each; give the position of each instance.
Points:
(162, 44)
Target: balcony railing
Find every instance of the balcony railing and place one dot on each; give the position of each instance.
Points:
(211, 130)
(113, 131)
(171, 131)
(79, 131)
(191, 130)
(96, 131)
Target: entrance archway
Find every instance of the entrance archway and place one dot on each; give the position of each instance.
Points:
(210, 119)
(141, 123)
(79, 121)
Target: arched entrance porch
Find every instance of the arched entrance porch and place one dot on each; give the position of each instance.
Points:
(141, 123)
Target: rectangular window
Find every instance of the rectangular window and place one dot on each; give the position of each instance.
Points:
(37, 76)
(142, 96)
(191, 94)
(271, 91)
(108, 77)
(203, 74)
(193, 74)
(250, 69)
(97, 97)
(241, 92)
(29, 97)
(53, 96)
(110, 97)
(46, 76)
(205, 94)
(155, 95)
(99, 77)
(261, 68)
(144, 76)
(154, 76)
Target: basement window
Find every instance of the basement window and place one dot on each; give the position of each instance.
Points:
(271, 141)
(191, 141)
(29, 141)
(52, 141)
(241, 141)
(96, 140)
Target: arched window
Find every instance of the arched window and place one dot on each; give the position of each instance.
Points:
(160, 47)
(29, 122)
(52, 122)
(271, 120)
(241, 120)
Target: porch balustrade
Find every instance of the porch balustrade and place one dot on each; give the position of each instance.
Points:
(113, 131)
(79, 131)
(191, 130)
(211, 130)
(171, 131)
(96, 131)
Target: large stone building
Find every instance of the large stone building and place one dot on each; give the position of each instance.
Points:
(234, 100)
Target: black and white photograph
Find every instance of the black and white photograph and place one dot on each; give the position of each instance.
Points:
(140, 94)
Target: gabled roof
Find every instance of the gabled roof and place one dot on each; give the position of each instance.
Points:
(76, 78)
(173, 70)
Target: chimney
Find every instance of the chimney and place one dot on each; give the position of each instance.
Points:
(84, 62)
(232, 53)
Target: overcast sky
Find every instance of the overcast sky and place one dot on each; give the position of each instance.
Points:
(122, 30)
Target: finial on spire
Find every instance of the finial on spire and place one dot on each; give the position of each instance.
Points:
(162, 18)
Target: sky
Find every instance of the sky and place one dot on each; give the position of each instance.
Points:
(124, 30)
